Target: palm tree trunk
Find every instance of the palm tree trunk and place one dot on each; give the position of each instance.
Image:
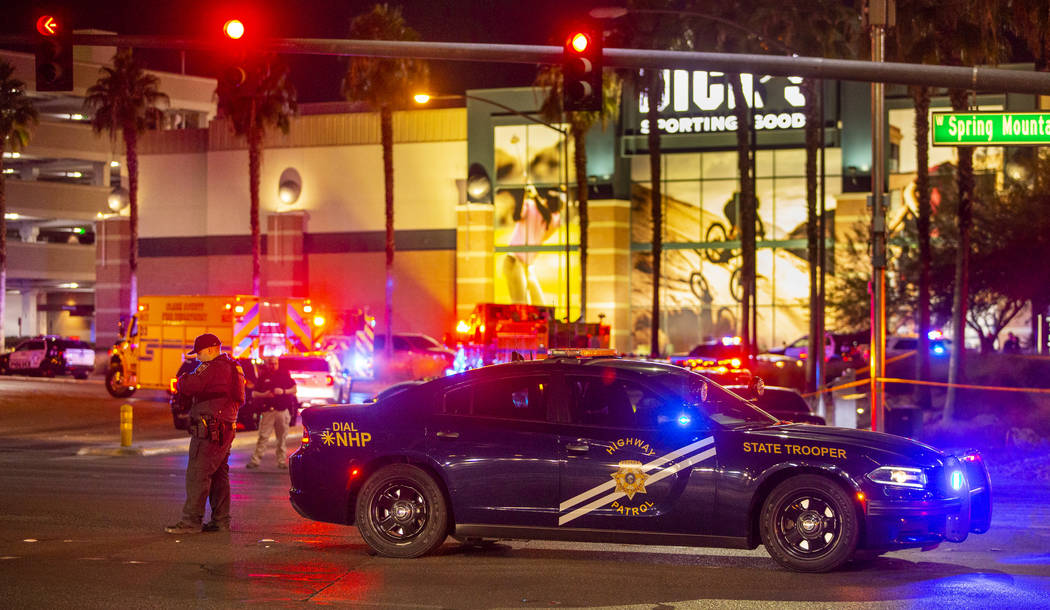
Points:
(816, 359)
(580, 160)
(747, 211)
(653, 91)
(3, 251)
(921, 96)
(254, 165)
(964, 216)
(131, 150)
(386, 126)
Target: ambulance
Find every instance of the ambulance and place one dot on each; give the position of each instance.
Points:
(154, 341)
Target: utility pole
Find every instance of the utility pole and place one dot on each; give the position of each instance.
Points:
(881, 15)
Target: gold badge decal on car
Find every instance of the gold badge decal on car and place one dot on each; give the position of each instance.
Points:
(630, 479)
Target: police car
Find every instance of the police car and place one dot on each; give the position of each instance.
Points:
(603, 449)
(49, 356)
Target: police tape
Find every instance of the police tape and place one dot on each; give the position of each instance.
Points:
(938, 384)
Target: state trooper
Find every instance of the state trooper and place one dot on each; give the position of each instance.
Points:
(217, 389)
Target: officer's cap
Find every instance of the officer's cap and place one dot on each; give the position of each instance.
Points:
(204, 341)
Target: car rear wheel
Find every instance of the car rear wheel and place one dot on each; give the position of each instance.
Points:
(401, 512)
(809, 524)
(115, 384)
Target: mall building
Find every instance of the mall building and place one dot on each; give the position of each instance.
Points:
(481, 213)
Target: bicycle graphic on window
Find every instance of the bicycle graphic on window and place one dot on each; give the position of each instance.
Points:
(716, 232)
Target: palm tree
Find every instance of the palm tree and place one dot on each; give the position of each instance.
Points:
(970, 37)
(125, 99)
(17, 116)
(916, 37)
(263, 99)
(384, 83)
(825, 28)
(653, 25)
(1031, 22)
(551, 78)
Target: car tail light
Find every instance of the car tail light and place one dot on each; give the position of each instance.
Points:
(329, 380)
(306, 437)
(173, 385)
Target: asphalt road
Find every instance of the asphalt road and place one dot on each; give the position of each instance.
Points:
(86, 531)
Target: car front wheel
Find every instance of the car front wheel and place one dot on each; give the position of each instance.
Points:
(115, 384)
(809, 524)
(401, 512)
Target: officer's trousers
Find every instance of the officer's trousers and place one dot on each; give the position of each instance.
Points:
(208, 479)
(275, 422)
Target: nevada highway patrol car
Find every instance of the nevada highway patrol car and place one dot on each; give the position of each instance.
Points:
(602, 449)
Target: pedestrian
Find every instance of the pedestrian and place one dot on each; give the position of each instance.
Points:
(1012, 345)
(217, 389)
(275, 391)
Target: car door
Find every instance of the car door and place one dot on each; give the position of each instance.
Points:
(633, 461)
(27, 356)
(497, 450)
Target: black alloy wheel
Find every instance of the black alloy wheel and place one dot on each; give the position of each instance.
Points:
(809, 524)
(401, 512)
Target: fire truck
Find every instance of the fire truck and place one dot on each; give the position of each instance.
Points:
(495, 331)
(154, 341)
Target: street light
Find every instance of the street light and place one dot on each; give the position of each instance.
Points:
(423, 98)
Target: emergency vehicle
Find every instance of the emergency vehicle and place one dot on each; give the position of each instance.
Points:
(49, 356)
(495, 331)
(154, 341)
(603, 449)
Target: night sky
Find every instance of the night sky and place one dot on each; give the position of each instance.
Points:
(317, 77)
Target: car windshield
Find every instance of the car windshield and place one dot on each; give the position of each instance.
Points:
(293, 363)
(72, 344)
(422, 342)
(722, 406)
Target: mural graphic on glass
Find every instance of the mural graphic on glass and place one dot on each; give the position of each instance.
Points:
(534, 219)
(700, 293)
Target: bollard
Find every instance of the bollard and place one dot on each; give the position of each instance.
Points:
(125, 425)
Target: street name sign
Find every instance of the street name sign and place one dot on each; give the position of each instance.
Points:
(991, 128)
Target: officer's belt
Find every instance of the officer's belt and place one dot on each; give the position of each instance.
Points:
(210, 396)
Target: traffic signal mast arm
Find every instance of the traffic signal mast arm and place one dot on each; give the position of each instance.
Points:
(957, 77)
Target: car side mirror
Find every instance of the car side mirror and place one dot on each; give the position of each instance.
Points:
(756, 387)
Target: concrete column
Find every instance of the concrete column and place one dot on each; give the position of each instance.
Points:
(28, 232)
(112, 277)
(30, 320)
(285, 265)
(609, 268)
(474, 257)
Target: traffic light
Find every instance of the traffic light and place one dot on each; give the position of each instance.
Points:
(582, 70)
(54, 54)
(235, 74)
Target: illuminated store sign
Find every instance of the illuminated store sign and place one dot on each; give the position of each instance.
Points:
(702, 102)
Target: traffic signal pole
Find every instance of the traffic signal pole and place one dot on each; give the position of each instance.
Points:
(960, 77)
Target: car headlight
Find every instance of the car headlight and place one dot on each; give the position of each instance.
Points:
(901, 476)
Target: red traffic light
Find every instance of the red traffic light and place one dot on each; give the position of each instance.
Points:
(579, 42)
(47, 25)
(233, 29)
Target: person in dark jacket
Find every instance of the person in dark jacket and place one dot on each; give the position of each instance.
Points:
(217, 388)
(275, 393)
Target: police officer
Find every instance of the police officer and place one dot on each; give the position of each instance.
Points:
(275, 390)
(217, 388)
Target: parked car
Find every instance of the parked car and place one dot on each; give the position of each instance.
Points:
(723, 361)
(902, 344)
(49, 356)
(786, 404)
(319, 378)
(415, 355)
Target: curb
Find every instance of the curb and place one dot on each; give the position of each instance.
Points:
(177, 445)
(52, 379)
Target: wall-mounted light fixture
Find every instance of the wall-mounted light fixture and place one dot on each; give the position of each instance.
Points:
(289, 186)
(118, 198)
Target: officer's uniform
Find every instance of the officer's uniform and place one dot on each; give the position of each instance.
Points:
(275, 414)
(217, 388)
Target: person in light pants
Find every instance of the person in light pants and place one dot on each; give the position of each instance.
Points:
(275, 388)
